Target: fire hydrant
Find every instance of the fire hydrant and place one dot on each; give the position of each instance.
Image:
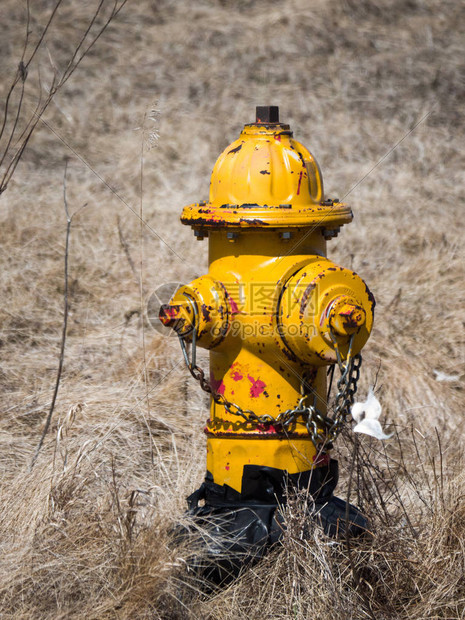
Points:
(275, 314)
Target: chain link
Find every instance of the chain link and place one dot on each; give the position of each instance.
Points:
(323, 429)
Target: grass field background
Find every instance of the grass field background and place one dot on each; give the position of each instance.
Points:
(376, 91)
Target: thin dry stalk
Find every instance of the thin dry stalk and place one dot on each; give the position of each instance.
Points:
(61, 358)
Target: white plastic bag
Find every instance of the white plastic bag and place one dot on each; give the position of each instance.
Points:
(366, 415)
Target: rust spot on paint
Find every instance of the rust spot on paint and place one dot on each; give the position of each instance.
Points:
(206, 312)
(303, 303)
(300, 181)
(236, 150)
(265, 172)
(254, 221)
(290, 356)
(198, 221)
(371, 298)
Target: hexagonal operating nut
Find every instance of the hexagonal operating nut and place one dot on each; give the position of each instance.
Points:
(346, 316)
(177, 316)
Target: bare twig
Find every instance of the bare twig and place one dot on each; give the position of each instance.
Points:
(69, 220)
(23, 67)
(141, 288)
(81, 50)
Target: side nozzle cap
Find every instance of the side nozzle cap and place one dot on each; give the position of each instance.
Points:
(346, 316)
(177, 316)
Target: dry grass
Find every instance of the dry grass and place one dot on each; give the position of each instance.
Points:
(86, 533)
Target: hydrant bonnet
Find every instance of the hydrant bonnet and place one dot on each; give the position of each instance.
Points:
(266, 178)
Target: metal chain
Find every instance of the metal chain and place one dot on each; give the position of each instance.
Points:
(346, 386)
(321, 428)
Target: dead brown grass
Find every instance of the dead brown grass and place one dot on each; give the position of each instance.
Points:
(86, 533)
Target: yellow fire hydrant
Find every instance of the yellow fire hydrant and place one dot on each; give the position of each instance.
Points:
(275, 313)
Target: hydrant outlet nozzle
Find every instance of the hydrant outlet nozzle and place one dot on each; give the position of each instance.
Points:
(201, 305)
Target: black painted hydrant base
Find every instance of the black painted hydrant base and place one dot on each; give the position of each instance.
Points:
(238, 528)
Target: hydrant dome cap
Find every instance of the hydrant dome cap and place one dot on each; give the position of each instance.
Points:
(266, 178)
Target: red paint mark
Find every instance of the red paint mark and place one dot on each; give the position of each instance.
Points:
(236, 376)
(257, 386)
(217, 385)
(227, 467)
(300, 181)
(268, 429)
(234, 308)
(277, 137)
(170, 311)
